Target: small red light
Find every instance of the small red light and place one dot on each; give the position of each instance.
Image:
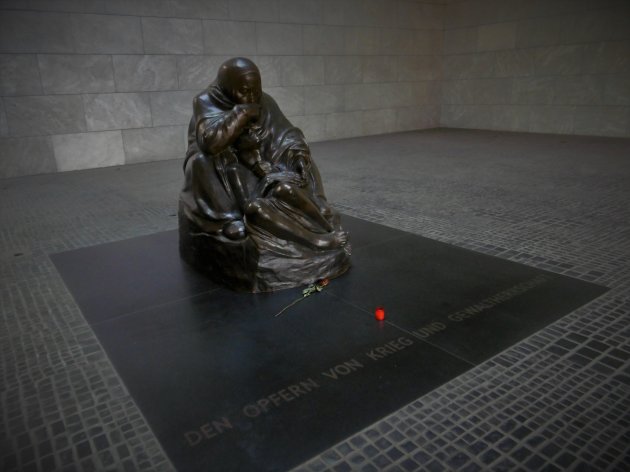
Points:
(379, 313)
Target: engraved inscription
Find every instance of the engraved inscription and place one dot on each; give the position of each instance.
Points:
(215, 428)
(389, 348)
(208, 431)
(344, 369)
(429, 329)
(497, 299)
(276, 399)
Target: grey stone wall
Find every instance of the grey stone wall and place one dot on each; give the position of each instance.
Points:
(92, 83)
(551, 66)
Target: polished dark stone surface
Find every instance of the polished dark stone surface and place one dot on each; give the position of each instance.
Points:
(420, 281)
(198, 359)
(112, 279)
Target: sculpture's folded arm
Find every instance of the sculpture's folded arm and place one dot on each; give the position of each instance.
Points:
(216, 133)
(217, 129)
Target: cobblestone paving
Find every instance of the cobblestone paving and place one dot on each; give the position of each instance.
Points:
(559, 400)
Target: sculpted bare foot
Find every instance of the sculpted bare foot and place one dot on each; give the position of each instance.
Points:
(235, 230)
(332, 240)
(341, 239)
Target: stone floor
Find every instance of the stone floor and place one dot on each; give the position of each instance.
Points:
(559, 400)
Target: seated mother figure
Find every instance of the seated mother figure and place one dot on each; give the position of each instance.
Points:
(249, 172)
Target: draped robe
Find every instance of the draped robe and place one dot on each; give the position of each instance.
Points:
(262, 261)
(208, 197)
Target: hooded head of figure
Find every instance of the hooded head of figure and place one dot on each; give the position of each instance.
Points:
(239, 79)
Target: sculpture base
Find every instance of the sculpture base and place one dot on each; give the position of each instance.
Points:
(251, 265)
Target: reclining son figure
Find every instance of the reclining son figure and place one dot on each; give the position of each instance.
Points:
(252, 212)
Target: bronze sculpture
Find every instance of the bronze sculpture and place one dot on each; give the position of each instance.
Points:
(252, 212)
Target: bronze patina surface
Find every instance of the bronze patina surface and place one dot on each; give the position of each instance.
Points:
(252, 212)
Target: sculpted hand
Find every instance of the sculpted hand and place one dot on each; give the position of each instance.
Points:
(292, 178)
(250, 110)
(297, 179)
(273, 178)
(262, 168)
(302, 164)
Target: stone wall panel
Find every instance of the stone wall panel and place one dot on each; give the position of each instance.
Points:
(172, 36)
(76, 73)
(88, 150)
(19, 75)
(44, 115)
(35, 32)
(26, 156)
(229, 37)
(110, 111)
(138, 73)
(172, 108)
(107, 34)
(278, 38)
(154, 144)
(323, 99)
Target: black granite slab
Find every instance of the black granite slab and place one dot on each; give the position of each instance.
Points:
(463, 302)
(207, 358)
(112, 279)
(226, 385)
